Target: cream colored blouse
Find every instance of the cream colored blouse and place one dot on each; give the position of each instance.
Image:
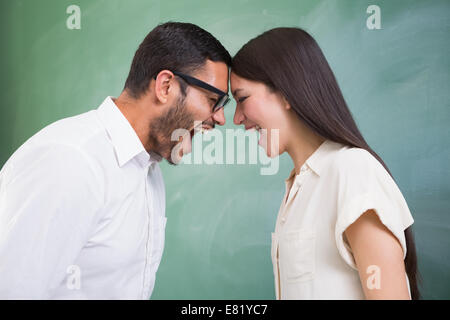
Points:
(310, 255)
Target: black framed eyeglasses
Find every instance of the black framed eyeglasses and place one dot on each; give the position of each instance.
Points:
(223, 96)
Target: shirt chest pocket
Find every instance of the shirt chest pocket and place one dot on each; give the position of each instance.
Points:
(297, 255)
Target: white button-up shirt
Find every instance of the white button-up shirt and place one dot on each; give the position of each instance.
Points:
(337, 184)
(82, 212)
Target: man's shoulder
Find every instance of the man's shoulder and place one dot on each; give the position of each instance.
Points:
(81, 134)
(84, 132)
(75, 130)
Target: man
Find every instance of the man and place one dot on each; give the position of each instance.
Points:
(82, 202)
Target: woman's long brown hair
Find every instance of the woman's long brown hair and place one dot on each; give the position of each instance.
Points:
(290, 61)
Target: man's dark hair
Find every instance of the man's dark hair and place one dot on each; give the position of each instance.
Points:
(175, 46)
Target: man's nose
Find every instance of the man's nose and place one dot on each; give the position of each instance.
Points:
(238, 116)
(219, 117)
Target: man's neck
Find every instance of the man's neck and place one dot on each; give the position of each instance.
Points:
(138, 114)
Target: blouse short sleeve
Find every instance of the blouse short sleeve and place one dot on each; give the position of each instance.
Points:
(365, 184)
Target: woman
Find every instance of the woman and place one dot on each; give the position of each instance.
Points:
(343, 228)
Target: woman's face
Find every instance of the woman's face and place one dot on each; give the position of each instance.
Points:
(259, 108)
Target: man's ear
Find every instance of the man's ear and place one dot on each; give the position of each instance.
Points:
(164, 83)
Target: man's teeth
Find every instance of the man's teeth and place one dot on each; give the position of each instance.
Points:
(203, 130)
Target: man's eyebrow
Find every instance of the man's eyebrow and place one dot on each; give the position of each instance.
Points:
(213, 96)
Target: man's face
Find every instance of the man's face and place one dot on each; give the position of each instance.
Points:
(192, 107)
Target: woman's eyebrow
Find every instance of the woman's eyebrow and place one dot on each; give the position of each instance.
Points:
(236, 91)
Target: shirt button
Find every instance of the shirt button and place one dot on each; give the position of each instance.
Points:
(283, 219)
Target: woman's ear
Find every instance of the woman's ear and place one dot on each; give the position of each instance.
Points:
(282, 100)
(286, 103)
(164, 83)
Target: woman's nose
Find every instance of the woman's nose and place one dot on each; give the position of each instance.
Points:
(238, 116)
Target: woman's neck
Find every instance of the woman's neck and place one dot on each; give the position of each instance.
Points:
(302, 145)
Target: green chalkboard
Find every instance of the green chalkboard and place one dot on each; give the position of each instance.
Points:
(395, 80)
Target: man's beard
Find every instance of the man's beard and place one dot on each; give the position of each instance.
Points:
(161, 129)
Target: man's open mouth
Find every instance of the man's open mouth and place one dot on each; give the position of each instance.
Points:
(203, 129)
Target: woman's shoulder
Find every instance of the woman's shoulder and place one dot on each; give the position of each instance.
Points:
(354, 161)
(356, 171)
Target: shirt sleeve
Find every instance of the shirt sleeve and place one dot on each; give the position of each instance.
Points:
(365, 184)
(50, 200)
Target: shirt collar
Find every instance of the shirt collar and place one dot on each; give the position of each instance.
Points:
(316, 160)
(123, 137)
